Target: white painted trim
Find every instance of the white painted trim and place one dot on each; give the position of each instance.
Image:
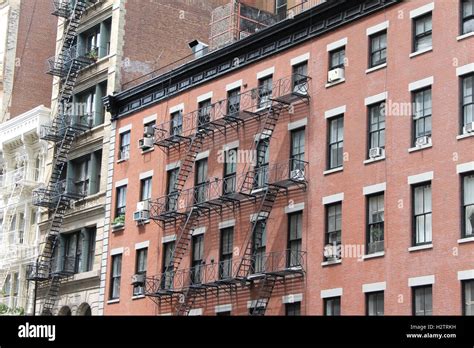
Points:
(374, 255)
(166, 315)
(422, 10)
(142, 245)
(300, 59)
(335, 170)
(368, 190)
(232, 145)
(167, 239)
(125, 128)
(419, 281)
(233, 85)
(419, 178)
(265, 73)
(465, 275)
(172, 166)
(198, 231)
(465, 167)
(223, 308)
(338, 197)
(465, 69)
(252, 303)
(116, 251)
(294, 208)
(420, 52)
(176, 108)
(373, 287)
(465, 36)
(375, 68)
(202, 155)
(298, 124)
(413, 86)
(292, 298)
(150, 118)
(331, 293)
(205, 96)
(335, 112)
(376, 98)
(121, 183)
(226, 224)
(377, 28)
(146, 175)
(420, 247)
(466, 240)
(195, 312)
(336, 44)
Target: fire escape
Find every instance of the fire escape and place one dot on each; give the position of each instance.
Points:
(48, 272)
(259, 186)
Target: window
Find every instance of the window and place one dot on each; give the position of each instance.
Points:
(177, 123)
(83, 174)
(259, 242)
(227, 240)
(87, 102)
(281, 6)
(204, 113)
(223, 314)
(293, 309)
(378, 49)
(116, 276)
(16, 284)
(300, 78)
(376, 126)
(467, 16)
(168, 266)
(332, 306)
(295, 232)
(422, 300)
(230, 171)
(92, 42)
(336, 142)
(7, 286)
(140, 268)
(121, 201)
(467, 101)
(172, 194)
(197, 259)
(337, 58)
(260, 310)
(422, 33)
(145, 189)
(375, 228)
(468, 205)
(375, 306)
(77, 250)
(333, 229)
(82, 170)
(422, 114)
(233, 101)
(468, 297)
(265, 92)
(422, 214)
(297, 149)
(201, 181)
(261, 167)
(124, 146)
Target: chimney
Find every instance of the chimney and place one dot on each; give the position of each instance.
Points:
(199, 48)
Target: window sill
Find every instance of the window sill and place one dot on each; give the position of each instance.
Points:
(465, 36)
(375, 68)
(113, 301)
(116, 228)
(122, 160)
(420, 247)
(138, 297)
(466, 240)
(464, 136)
(331, 84)
(374, 255)
(330, 263)
(331, 171)
(372, 160)
(418, 53)
(86, 275)
(419, 148)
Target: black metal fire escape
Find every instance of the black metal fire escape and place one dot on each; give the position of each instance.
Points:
(62, 131)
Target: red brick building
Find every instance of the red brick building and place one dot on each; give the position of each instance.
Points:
(352, 191)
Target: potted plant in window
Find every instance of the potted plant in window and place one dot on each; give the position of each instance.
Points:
(93, 54)
(119, 222)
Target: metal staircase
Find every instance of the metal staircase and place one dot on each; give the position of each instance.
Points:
(62, 132)
(264, 293)
(186, 302)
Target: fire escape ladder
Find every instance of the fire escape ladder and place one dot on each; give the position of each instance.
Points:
(184, 238)
(264, 293)
(186, 302)
(186, 166)
(52, 295)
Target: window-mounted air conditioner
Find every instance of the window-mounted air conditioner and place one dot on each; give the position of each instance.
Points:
(149, 131)
(138, 279)
(335, 75)
(422, 141)
(141, 215)
(146, 143)
(143, 206)
(376, 152)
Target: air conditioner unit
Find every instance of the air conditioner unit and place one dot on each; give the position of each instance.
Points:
(146, 143)
(297, 174)
(421, 141)
(335, 74)
(376, 152)
(138, 279)
(468, 128)
(149, 131)
(143, 206)
(141, 216)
